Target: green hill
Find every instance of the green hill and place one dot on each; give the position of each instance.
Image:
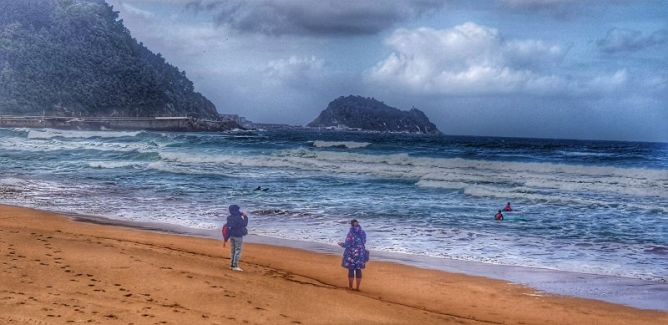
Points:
(75, 57)
(369, 114)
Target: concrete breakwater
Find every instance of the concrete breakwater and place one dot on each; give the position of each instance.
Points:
(119, 123)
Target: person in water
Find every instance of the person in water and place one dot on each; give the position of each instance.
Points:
(237, 222)
(507, 207)
(355, 254)
(499, 216)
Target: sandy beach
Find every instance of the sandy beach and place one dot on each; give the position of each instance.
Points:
(58, 271)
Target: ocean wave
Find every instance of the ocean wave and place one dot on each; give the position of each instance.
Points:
(56, 144)
(53, 133)
(524, 193)
(436, 169)
(506, 179)
(585, 153)
(112, 164)
(340, 144)
(440, 184)
(12, 181)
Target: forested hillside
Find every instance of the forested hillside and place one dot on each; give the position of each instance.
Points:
(369, 114)
(75, 57)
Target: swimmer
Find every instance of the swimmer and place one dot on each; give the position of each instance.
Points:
(507, 207)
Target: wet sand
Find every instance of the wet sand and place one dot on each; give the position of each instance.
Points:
(56, 270)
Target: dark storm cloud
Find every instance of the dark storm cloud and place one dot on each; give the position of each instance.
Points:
(564, 9)
(627, 40)
(325, 17)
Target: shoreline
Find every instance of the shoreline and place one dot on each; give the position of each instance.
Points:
(631, 292)
(59, 269)
(98, 123)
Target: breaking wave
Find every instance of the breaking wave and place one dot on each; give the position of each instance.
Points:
(340, 144)
(72, 134)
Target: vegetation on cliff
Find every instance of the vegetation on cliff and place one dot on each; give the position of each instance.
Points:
(369, 114)
(75, 57)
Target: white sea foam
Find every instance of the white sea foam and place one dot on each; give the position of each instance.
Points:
(56, 144)
(522, 180)
(340, 144)
(53, 133)
(585, 153)
(12, 181)
(581, 192)
(440, 184)
(113, 164)
(439, 169)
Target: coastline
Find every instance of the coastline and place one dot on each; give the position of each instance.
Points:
(99, 123)
(636, 293)
(175, 278)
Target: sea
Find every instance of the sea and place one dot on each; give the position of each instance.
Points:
(598, 208)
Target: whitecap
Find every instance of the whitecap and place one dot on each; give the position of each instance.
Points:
(340, 144)
(112, 164)
(53, 133)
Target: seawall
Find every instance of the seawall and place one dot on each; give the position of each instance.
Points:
(118, 123)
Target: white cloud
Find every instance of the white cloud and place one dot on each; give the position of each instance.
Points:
(468, 59)
(294, 67)
(534, 53)
(137, 11)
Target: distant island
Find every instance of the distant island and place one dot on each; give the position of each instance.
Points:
(369, 114)
(75, 58)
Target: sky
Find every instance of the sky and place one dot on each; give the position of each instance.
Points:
(576, 69)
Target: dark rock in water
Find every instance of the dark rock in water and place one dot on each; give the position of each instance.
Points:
(369, 114)
(75, 58)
